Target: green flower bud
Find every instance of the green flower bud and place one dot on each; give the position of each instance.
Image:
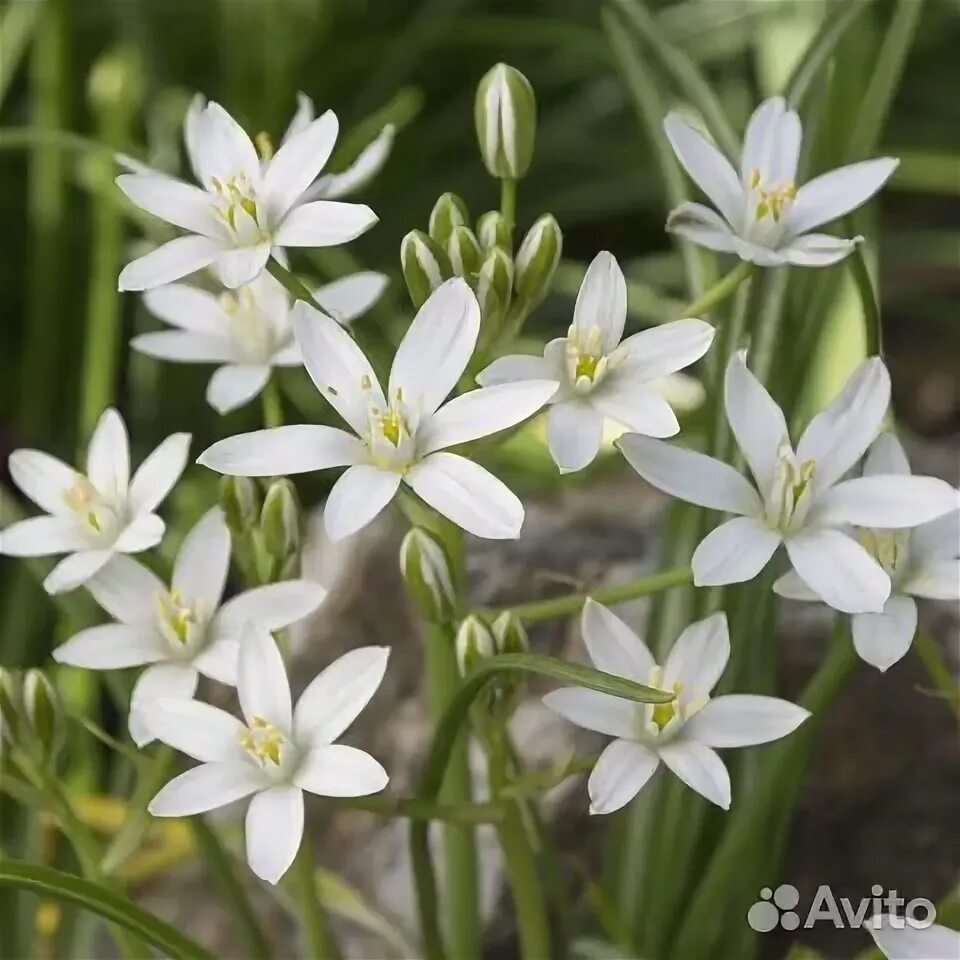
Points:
(505, 112)
(495, 284)
(493, 230)
(474, 643)
(43, 712)
(240, 502)
(426, 570)
(280, 520)
(10, 720)
(509, 633)
(537, 259)
(448, 212)
(425, 265)
(116, 82)
(464, 252)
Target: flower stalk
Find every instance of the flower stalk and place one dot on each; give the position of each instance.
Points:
(720, 292)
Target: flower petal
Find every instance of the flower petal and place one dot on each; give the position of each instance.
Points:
(886, 502)
(519, 366)
(367, 165)
(771, 144)
(698, 658)
(839, 570)
(219, 660)
(188, 308)
(181, 204)
(437, 346)
(200, 569)
(324, 223)
(667, 348)
(574, 432)
(112, 646)
(898, 940)
(702, 226)
(886, 455)
(791, 587)
(274, 829)
(302, 118)
(281, 451)
(182, 347)
(207, 787)
(232, 386)
(636, 405)
(43, 536)
(470, 496)
(176, 681)
(357, 498)
(743, 720)
(156, 476)
(690, 476)
(338, 771)
(936, 579)
(142, 533)
(44, 479)
(170, 262)
(833, 194)
(700, 769)
(939, 539)
(734, 552)
(197, 729)
(108, 456)
(262, 684)
(298, 161)
(351, 296)
(221, 149)
(597, 711)
(335, 697)
(818, 250)
(602, 301)
(613, 646)
(620, 773)
(127, 590)
(482, 412)
(272, 607)
(882, 639)
(75, 570)
(240, 266)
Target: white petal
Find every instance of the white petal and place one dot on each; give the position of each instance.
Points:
(240, 266)
(755, 419)
(112, 646)
(700, 769)
(75, 570)
(351, 296)
(480, 413)
(742, 720)
(324, 223)
(262, 684)
(593, 710)
(197, 729)
(163, 680)
(839, 436)
(298, 161)
(698, 658)
(302, 118)
(200, 569)
(367, 165)
(142, 533)
(221, 147)
(281, 451)
(757, 253)
(513, 368)
(182, 347)
(833, 194)
(771, 143)
(734, 552)
(44, 479)
(667, 348)
(467, 494)
(613, 646)
(886, 502)
(882, 639)
(43, 536)
(886, 455)
(232, 386)
(156, 476)
(337, 366)
(335, 697)
(127, 590)
(702, 226)
(818, 250)
(791, 587)
(272, 607)
(839, 570)
(188, 308)
(173, 260)
(358, 497)
(274, 829)
(108, 456)
(690, 476)
(178, 203)
(936, 579)
(904, 942)
(602, 301)
(574, 432)
(621, 772)
(939, 539)
(707, 166)
(637, 405)
(219, 660)
(339, 771)
(207, 787)
(437, 346)
(191, 127)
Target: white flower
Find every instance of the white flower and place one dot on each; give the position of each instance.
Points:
(803, 500)
(898, 940)
(182, 631)
(246, 208)
(681, 733)
(600, 376)
(401, 435)
(276, 752)
(248, 330)
(765, 217)
(93, 516)
(922, 562)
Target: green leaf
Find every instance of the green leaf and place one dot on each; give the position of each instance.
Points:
(871, 312)
(64, 887)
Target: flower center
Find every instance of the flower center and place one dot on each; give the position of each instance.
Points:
(178, 621)
(248, 326)
(586, 362)
(87, 504)
(890, 548)
(662, 713)
(773, 202)
(792, 490)
(237, 191)
(264, 742)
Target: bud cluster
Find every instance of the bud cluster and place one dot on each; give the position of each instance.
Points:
(426, 570)
(478, 640)
(31, 714)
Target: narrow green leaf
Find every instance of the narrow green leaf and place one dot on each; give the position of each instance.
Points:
(871, 312)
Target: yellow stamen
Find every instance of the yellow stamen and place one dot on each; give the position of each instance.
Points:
(264, 145)
(263, 741)
(586, 366)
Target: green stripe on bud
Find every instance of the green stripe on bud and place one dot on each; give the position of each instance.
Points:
(426, 570)
(464, 252)
(537, 259)
(474, 643)
(280, 521)
(493, 230)
(425, 265)
(495, 284)
(43, 712)
(448, 212)
(510, 634)
(240, 502)
(11, 722)
(505, 112)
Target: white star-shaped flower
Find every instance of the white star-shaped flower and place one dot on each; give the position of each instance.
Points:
(800, 498)
(247, 330)
(246, 208)
(96, 515)
(764, 217)
(601, 377)
(276, 752)
(401, 435)
(921, 562)
(181, 631)
(682, 733)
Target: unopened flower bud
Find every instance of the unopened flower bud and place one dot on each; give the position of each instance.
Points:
(505, 111)
(464, 252)
(537, 259)
(116, 82)
(240, 502)
(43, 712)
(280, 520)
(509, 634)
(474, 643)
(10, 720)
(495, 283)
(426, 570)
(493, 230)
(448, 212)
(425, 265)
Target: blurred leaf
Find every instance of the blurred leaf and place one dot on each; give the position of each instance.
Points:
(17, 24)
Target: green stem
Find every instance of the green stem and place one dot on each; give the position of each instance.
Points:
(272, 403)
(294, 286)
(313, 918)
(414, 809)
(722, 290)
(940, 674)
(508, 204)
(621, 593)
